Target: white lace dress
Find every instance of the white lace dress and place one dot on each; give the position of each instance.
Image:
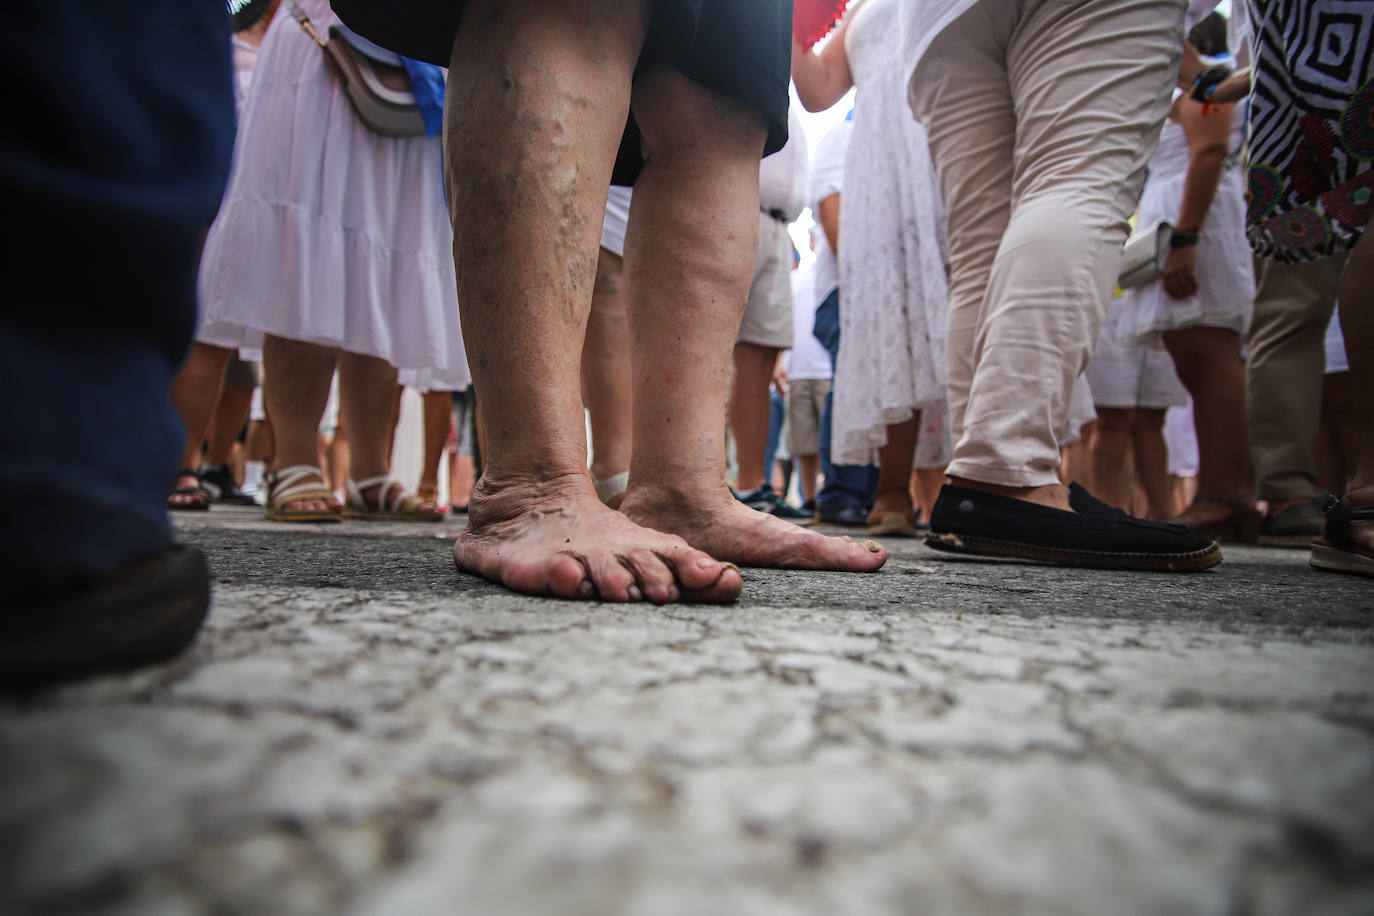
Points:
(330, 233)
(893, 257)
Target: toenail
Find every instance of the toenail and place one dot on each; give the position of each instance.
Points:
(585, 589)
(708, 563)
(872, 546)
(673, 593)
(725, 565)
(634, 593)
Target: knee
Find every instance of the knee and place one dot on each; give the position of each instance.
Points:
(684, 124)
(1114, 423)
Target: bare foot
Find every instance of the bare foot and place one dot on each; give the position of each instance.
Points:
(1055, 495)
(554, 537)
(726, 528)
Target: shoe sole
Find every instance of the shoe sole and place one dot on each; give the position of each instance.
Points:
(1193, 561)
(1286, 540)
(1330, 559)
(303, 516)
(391, 516)
(139, 618)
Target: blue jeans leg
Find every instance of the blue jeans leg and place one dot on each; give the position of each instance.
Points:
(848, 484)
(107, 202)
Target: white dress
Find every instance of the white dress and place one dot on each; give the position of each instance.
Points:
(893, 256)
(1225, 271)
(330, 233)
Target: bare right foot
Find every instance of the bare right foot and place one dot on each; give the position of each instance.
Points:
(555, 537)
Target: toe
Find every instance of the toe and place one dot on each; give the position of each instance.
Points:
(725, 589)
(612, 580)
(651, 575)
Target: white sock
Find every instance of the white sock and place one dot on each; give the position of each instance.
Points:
(252, 474)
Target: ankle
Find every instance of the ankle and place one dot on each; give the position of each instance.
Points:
(1056, 496)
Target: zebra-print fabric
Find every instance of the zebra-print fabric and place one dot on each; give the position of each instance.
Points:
(1311, 176)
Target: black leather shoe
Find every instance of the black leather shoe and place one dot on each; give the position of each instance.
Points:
(848, 516)
(1094, 535)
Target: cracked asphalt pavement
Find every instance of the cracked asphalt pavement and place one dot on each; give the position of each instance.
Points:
(361, 730)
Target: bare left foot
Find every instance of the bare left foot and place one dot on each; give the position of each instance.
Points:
(715, 522)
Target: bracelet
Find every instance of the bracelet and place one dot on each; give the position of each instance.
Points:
(1183, 239)
(1205, 83)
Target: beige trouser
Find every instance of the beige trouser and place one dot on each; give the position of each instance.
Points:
(1041, 116)
(1287, 361)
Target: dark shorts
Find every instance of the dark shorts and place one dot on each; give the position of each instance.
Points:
(741, 49)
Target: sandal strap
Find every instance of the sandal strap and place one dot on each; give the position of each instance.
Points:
(1338, 519)
(356, 499)
(299, 481)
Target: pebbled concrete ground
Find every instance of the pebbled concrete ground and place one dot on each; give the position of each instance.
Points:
(360, 730)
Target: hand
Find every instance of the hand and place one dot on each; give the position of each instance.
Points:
(1232, 89)
(1180, 273)
(780, 381)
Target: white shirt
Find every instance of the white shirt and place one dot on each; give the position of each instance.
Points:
(827, 177)
(783, 175)
(808, 358)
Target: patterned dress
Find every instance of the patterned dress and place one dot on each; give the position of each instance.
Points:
(1311, 183)
(894, 287)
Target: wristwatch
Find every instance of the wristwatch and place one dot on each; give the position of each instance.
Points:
(1183, 239)
(1205, 83)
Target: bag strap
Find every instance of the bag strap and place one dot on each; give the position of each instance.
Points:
(300, 16)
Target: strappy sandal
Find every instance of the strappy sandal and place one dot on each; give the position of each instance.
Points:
(295, 484)
(393, 502)
(1334, 551)
(1240, 526)
(200, 497)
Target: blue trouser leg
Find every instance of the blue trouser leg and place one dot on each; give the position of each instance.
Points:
(844, 484)
(111, 166)
(777, 410)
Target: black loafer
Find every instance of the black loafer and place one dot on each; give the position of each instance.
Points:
(1094, 535)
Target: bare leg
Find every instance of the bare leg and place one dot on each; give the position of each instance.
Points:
(460, 480)
(1111, 453)
(1151, 456)
(234, 404)
(295, 388)
(1209, 365)
(699, 188)
(367, 408)
(1357, 324)
(748, 411)
(1337, 445)
(606, 375)
(893, 494)
(438, 413)
(927, 483)
(538, 96)
(809, 467)
(195, 392)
